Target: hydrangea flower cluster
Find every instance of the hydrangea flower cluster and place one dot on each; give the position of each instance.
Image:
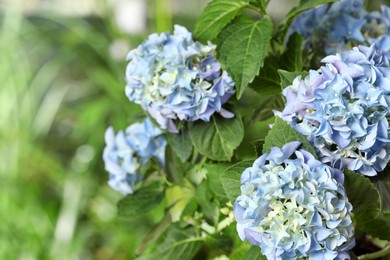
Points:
(127, 151)
(377, 29)
(293, 206)
(330, 28)
(343, 109)
(174, 77)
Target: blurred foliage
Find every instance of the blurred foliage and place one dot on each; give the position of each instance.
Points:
(61, 88)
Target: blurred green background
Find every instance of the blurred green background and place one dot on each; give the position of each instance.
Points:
(62, 68)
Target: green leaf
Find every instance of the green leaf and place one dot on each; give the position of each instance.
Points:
(141, 202)
(255, 130)
(382, 184)
(218, 138)
(376, 226)
(178, 244)
(266, 109)
(254, 253)
(365, 200)
(214, 172)
(304, 6)
(215, 17)
(230, 179)
(154, 234)
(197, 174)
(243, 47)
(291, 59)
(190, 209)
(281, 134)
(361, 192)
(240, 252)
(178, 197)
(383, 188)
(287, 78)
(209, 208)
(181, 144)
(258, 145)
(268, 81)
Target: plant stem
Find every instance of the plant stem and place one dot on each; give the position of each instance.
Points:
(154, 234)
(194, 156)
(385, 251)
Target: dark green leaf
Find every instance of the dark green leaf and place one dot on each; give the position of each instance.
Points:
(287, 78)
(353, 256)
(281, 134)
(174, 167)
(190, 209)
(376, 226)
(141, 202)
(258, 144)
(181, 144)
(154, 234)
(382, 184)
(240, 252)
(383, 188)
(243, 47)
(215, 17)
(254, 131)
(254, 253)
(304, 6)
(361, 192)
(268, 81)
(218, 138)
(204, 198)
(291, 59)
(178, 244)
(214, 172)
(266, 109)
(365, 200)
(230, 179)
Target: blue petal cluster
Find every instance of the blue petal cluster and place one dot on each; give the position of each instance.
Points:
(331, 27)
(174, 77)
(294, 206)
(343, 108)
(127, 151)
(377, 29)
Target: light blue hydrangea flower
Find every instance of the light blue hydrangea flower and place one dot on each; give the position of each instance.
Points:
(294, 206)
(343, 108)
(127, 151)
(331, 27)
(174, 77)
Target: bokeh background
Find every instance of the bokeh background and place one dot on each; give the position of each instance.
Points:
(62, 70)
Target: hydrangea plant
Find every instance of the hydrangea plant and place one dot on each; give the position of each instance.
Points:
(292, 206)
(320, 180)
